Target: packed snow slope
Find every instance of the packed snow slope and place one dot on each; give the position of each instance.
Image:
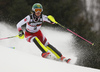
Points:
(26, 57)
(12, 60)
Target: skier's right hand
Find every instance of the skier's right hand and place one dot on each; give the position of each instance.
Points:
(21, 34)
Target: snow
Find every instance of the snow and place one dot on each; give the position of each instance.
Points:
(26, 57)
(12, 60)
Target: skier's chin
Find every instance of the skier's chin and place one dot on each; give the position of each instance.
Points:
(38, 14)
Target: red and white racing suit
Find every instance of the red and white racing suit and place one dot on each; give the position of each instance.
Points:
(33, 28)
(34, 34)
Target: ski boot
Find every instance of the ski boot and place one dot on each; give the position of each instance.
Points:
(64, 59)
(46, 55)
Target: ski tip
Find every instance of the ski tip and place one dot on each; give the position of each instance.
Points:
(12, 47)
(68, 60)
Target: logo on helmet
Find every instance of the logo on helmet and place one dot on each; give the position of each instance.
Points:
(38, 6)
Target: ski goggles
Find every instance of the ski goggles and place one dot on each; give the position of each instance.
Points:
(38, 10)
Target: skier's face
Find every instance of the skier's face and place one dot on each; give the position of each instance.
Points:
(38, 13)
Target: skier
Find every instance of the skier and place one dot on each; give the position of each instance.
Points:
(33, 33)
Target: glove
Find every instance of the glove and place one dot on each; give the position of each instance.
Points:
(21, 34)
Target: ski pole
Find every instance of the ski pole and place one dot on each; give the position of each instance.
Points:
(8, 37)
(53, 20)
